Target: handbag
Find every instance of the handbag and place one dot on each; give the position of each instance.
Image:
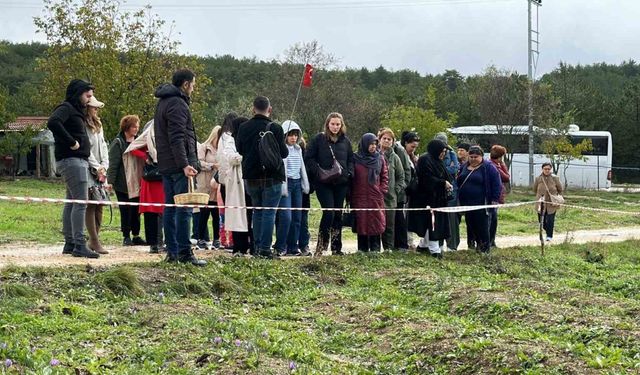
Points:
(150, 172)
(556, 199)
(329, 175)
(348, 217)
(97, 192)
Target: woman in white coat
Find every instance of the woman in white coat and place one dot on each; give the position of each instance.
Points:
(236, 220)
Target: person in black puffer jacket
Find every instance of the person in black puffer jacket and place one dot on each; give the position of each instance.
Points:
(332, 194)
(72, 150)
(177, 160)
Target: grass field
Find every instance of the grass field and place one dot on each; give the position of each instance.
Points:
(36, 222)
(575, 311)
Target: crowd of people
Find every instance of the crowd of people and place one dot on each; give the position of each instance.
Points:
(234, 166)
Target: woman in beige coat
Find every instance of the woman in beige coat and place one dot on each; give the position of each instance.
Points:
(544, 186)
(207, 155)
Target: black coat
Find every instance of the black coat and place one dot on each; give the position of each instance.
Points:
(247, 145)
(175, 134)
(431, 192)
(318, 155)
(68, 125)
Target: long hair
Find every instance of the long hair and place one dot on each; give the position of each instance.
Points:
(227, 124)
(93, 121)
(213, 137)
(343, 128)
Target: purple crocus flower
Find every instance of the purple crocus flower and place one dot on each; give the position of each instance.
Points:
(8, 362)
(238, 342)
(217, 340)
(54, 362)
(292, 365)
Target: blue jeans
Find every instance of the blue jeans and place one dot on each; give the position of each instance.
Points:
(176, 220)
(288, 229)
(264, 193)
(75, 173)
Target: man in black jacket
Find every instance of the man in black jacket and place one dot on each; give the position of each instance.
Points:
(264, 187)
(177, 161)
(72, 150)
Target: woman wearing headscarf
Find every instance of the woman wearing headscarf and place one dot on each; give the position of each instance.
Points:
(207, 155)
(369, 186)
(478, 184)
(452, 166)
(545, 185)
(435, 187)
(148, 188)
(98, 165)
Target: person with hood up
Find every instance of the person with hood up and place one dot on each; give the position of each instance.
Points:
(369, 186)
(140, 153)
(72, 150)
(176, 137)
(435, 185)
(296, 183)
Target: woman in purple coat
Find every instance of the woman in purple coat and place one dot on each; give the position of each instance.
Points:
(369, 185)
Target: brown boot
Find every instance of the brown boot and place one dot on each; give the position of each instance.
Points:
(93, 224)
(323, 244)
(336, 241)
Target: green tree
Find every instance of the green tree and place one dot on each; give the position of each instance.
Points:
(125, 55)
(424, 121)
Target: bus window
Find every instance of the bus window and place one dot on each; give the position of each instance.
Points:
(600, 144)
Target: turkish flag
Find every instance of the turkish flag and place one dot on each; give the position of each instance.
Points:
(308, 75)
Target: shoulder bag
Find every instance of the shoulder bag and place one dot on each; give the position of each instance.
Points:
(329, 175)
(556, 199)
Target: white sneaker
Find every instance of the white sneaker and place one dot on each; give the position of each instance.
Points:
(549, 239)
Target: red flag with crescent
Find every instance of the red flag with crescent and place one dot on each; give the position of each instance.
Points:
(308, 75)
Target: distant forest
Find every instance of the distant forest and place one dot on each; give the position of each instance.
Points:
(595, 97)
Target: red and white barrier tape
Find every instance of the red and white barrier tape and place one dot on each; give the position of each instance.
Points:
(457, 209)
(110, 203)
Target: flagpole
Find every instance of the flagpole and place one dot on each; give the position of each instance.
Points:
(298, 94)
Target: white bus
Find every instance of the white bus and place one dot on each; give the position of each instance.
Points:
(592, 173)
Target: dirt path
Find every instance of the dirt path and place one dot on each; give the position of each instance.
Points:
(29, 254)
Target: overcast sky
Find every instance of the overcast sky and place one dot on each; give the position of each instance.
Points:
(428, 36)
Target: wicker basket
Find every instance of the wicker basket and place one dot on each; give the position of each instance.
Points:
(191, 197)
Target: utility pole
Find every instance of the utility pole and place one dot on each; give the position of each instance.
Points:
(533, 37)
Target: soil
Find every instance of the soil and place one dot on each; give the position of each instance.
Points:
(38, 255)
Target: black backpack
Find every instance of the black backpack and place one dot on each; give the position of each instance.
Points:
(269, 151)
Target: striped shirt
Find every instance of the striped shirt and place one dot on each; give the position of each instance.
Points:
(294, 162)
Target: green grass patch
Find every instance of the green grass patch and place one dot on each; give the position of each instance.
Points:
(511, 312)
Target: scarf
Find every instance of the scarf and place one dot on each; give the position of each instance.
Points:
(434, 164)
(372, 161)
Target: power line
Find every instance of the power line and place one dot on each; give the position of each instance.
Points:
(284, 5)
